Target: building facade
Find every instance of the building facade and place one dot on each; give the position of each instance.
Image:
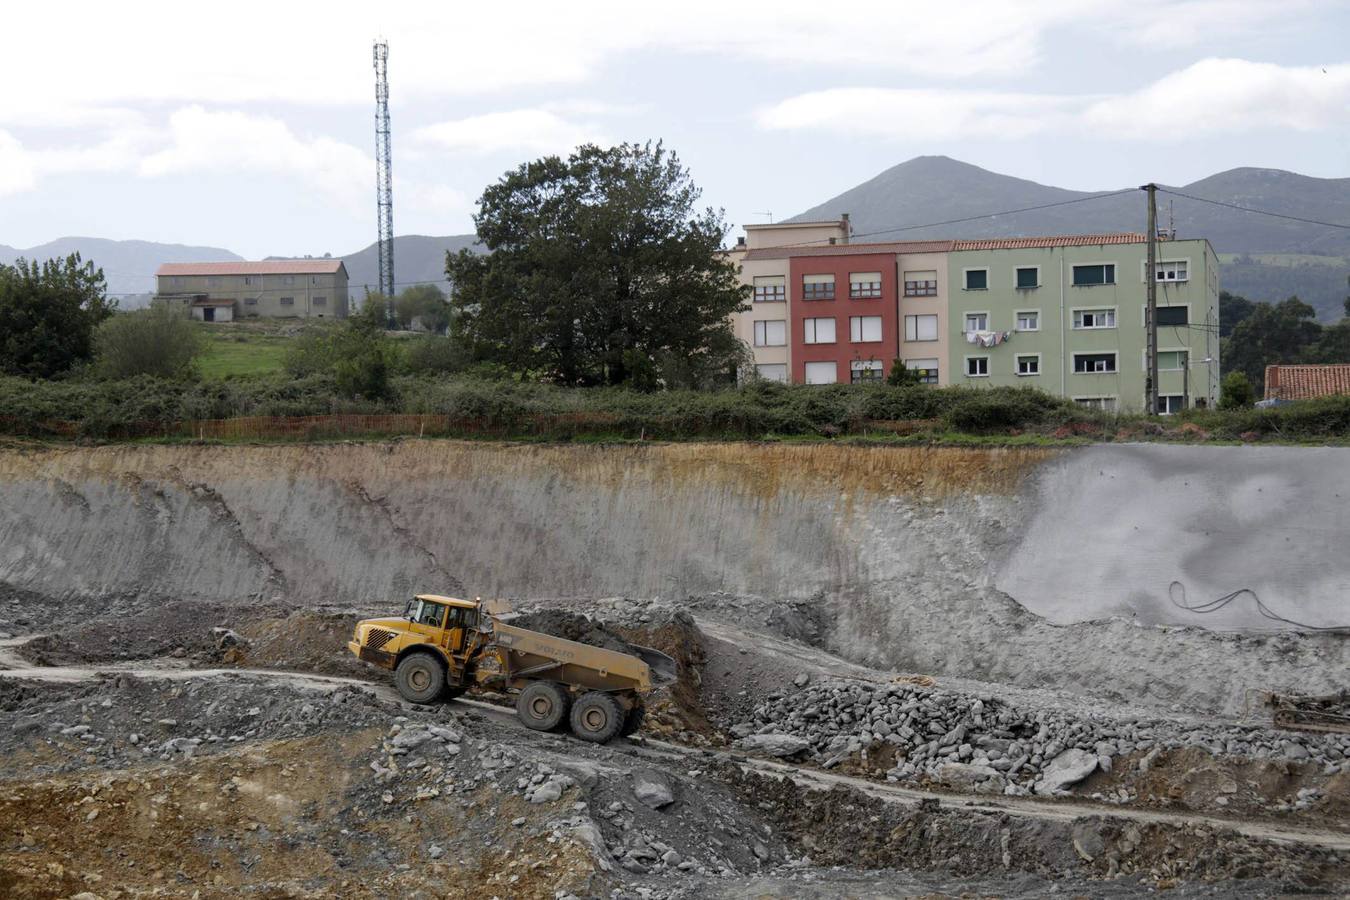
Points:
(1063, 314)
(1067, 315)
(279, 289)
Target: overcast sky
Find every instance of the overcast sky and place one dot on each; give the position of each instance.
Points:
(251, 127)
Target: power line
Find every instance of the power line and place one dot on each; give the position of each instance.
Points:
(1260, 212)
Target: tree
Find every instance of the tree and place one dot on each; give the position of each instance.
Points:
(1233, 309)
(1236, 391)
(900, 375)
(600, 270)
(425, 303)
(1279, 333)
(48, 313)
(357, 353)
(158, 341)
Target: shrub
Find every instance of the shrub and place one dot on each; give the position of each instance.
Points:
(431, 355)
(160, 341)
(1236, 391)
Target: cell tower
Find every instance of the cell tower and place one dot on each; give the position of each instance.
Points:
(384, 175)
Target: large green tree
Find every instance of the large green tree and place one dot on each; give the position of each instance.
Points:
(424, 303)
(1273, 333)
(600, 270)
(48, 313)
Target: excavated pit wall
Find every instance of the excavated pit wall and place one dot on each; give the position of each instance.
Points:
(942, 560)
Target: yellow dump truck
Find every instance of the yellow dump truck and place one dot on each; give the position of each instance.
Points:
(443, 646)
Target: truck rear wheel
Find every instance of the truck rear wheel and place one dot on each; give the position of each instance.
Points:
(419, 678)
(597, 717)
(542, 706)
(633, 721)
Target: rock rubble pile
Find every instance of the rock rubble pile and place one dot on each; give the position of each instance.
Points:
(988, 745)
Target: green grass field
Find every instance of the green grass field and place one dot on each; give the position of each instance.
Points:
(241, 350)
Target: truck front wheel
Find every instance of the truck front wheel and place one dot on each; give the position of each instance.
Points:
(597, 717)
(419, 678)
(542, 706)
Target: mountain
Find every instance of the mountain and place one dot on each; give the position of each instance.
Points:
(417, 258)
(129, 266)
(1275, 252)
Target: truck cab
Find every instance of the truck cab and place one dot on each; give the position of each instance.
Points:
(450, 628)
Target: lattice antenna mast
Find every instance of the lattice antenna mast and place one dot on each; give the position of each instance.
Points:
(384, 174)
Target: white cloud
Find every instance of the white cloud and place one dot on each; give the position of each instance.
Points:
(517, 131)
(16, 167)
(1229, 95)
(1213, 96)
(207, 141)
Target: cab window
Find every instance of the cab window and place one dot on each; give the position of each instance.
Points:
(429, 614)
(462, 617)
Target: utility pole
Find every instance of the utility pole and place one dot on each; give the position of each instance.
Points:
(384, 177)
(1186, 379)
(1151, 314)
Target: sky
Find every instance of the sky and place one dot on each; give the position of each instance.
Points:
(251, 126)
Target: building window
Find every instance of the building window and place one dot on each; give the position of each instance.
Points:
(770, 289)
(861, 371)
(817, 287)
(320, 301)
(1028, 277)
(288, 279)
(1169, 404)
(1099, 273)
(213, 281)
(977, 279)
(772, 372)
(772, 333)
(1029, 364)
(1168, 360)
(248, 280)
(927, 369)
(921, 284)
(921, 328)
(250, 301)
(287, 301)
(977, 366)
(821, 373)
(819, 331)
(1105, 404)
(1029, 320)
(1094, 318)
(1172, 270)
(864, 285)
(175, 281)
(864, 329)
(1093, 363)
(977, 321)
(1171, 316)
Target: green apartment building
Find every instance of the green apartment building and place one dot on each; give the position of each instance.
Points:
(1066, 315)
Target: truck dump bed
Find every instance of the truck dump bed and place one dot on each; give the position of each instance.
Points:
(532, 654)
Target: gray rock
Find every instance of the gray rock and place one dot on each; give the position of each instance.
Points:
(1066, 769)
(652, 790)
(783, 745)
(802, 680)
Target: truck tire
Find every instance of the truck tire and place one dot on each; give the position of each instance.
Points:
(542, 706)
(633, 721)
(597, 717)
(420, 678)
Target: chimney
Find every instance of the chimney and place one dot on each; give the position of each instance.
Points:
(848, 228)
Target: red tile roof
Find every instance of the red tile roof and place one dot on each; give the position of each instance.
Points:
(1067, 240)
(262, 267)
(1304, 382)
(788, 250)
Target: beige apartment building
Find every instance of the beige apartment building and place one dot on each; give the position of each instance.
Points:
(274, 288)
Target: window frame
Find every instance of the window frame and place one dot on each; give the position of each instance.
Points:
(765, 330)
(1143, 314)
(929, 289)
(1074, 267)
(975, 357)
(937, 328)
(871, 292)
(1017, 365)
(1074, 317)
(782, 366)
(810, 322)
(250, 301)
(935, 377)
(1162, 397)
(872, 365)
(1184, 260)
(1143, 358)
(1029, 287)
(1018, 313)
(806, 367)
(1077, 353)
(812, 288)
(965, 278)
(881, 330)
(286, 301)
(976, 312)
(1114, 398)
(780, 289)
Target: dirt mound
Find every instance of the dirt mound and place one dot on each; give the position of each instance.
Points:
(303, 641)
(573, 627)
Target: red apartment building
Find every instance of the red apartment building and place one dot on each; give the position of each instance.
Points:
(844, 316)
